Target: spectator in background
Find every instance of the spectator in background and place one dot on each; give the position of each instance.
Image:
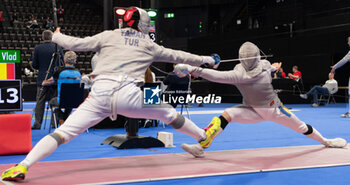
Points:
(60, 14)
(14, 18)
(48, 23)
(177, 86)
(67, 74)
(1, 20)
(85, 77)
(330, 87)
(296, 74)
(33, 23)
(279, 73)
(150, 77)
(41, 61)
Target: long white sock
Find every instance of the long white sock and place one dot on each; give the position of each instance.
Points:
(43, 148)
(317, 136)
(192, 130)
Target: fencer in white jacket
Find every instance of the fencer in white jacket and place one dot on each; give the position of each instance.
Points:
(253, 79)
(123, 57)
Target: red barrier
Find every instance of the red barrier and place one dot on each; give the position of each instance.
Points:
(15, 134)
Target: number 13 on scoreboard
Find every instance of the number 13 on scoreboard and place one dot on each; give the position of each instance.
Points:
(13, 93)
(10, 95)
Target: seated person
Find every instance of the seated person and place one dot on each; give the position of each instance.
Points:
(330, 87)
(176, 86)
(279, 73)
(47, 23)
(33, 23)
(68, 74)
(86, 77)
(296, 78)
(296, 74)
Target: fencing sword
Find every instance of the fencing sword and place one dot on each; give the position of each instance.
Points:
(237, 59)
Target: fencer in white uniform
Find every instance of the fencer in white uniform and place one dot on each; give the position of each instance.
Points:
(123, 57)
(343, 61)
(253, 79)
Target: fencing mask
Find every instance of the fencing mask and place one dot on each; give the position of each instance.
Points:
(138, 19)
(249, 55)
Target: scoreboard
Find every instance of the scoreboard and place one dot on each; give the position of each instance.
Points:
(10, 80)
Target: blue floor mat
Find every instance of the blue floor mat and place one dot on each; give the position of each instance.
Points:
(266, 134)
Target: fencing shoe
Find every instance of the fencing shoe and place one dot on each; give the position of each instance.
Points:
(346, 115)
(304, 96)
(196, 149)
(314, 105)
(211, 130)
(16, 173)
(335, 143)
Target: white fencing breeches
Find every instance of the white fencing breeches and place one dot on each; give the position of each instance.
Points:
(281, 115)
(107, 98)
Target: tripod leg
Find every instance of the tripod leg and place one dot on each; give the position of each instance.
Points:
(188, 113)
(45, 116)
(54, 116)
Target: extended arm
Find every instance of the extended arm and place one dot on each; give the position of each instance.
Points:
(343, 61)
(76, 44)
(176, 56)
(227, 77)
(294, 76)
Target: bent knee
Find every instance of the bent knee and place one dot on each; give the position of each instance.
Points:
(178, 122)
(304, 129)
(309, 130)
(66, 136)
(168, 116)
(59, 139)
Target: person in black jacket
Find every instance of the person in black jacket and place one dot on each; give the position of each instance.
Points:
(41, 61)
(176, 87)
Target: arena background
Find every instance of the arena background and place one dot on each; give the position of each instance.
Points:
(310, 34)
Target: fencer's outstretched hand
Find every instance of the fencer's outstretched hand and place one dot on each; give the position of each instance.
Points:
(58, 30)
(212, 61)
(181, 70)
(277, 65)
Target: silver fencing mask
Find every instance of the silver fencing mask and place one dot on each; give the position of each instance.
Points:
(249, 55)
(144, 22)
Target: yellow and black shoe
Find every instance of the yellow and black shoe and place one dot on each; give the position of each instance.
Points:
(211, 131)
(16, 173)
